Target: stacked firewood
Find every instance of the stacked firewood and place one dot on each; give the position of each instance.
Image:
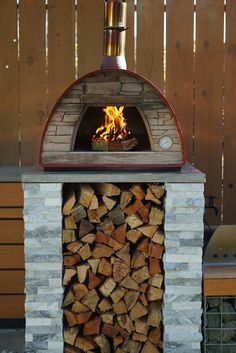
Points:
(113, 247)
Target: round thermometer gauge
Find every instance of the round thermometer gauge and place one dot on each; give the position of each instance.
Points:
(166, 142)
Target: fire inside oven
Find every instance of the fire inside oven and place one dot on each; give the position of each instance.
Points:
(112, 128)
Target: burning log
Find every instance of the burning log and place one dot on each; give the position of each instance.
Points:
(113, 247)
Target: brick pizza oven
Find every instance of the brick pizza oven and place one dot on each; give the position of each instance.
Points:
(114, 220)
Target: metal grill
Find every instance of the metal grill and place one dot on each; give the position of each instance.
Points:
(219, 325)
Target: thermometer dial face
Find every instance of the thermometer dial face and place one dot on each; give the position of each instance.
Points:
(166, 142)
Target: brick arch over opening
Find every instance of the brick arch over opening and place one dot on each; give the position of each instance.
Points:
(111, 87)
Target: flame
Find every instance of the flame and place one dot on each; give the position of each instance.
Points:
(115, 125)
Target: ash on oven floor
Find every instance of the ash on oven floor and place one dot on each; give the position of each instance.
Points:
(12, 341)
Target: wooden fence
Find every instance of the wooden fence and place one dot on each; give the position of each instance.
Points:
(186, 47)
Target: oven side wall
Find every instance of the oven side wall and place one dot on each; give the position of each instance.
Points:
(43, 264)
(184, 208)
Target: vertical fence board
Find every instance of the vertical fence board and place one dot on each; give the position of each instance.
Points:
(208, 104)
(150, 40)
(61, 47)
(179, 65)
(90, 35)
(9, 145)
(130, 36)
(32, 78)
(230, 115)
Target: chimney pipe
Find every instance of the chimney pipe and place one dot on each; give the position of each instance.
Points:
(115, 13)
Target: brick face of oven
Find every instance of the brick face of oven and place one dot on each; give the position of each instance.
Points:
(182, 261)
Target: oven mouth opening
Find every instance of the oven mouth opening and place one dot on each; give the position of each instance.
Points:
(88, 139)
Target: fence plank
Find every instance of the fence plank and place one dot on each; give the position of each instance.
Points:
(12, 307)
(61, 47)
(11, 194)
(11, 231)
(209, 78)
(32, 78)
(12, 256)
(12, 282)
(179, 65)
(9, 132)
(130, 36)
(230, 114)
(150, 40)
(90, 35)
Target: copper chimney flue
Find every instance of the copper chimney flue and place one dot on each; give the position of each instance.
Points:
(114, 34)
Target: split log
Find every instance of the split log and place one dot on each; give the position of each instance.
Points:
(138, 260)
(148, 230)
(156, 216)
(69, 203)
(143, 246)
(154, 314)
(94, 264)
(157, 190)
(89, 238)
(101, 237)
(85, 252)
(129, 283)
(108, 318)
(151, 197)
(74, 246)
(125, 322)
(108, 189)
(155, 337)
(78, 307)
(133, 208)
(102, 210)
(131, 298)
(106, 227)
(120, 308)
(80, 291)
(149, 348)
(134, 221)
(124, 254)
(117, 341)
(85, 344)
(116, 216)
(109, 203)
(105, 267)
(71, 260)
(158, 238)
(154, 293)
(119, 233)
(144, 212)
(116, 245)
(141, 275)
(102, 250)
(125, 199)
(85, 227)
(91, 299)
(129, 144)
(85, 195)
(139, 337)
(93, 281)
(137, 191)
(154, 266)
(93, 216)
(143, 287)
(120, 270)
(69, 222)
(94, 203)
(155, 250)
(69, 298)
(141, 326)
(78, 212)
(104, 305)
(70, 349)
(156, 280)
(70, 318)
(92, 327)
(70, 335)
(133, 235)
(110, 330)
(84, 317)
(68, 274)
(107, 287)
(68, 235)
(117, 295)
(131, 346)
(137, 311)
(103, 343)
(143, 299)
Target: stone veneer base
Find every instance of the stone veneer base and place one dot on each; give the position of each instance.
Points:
(184, 207)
